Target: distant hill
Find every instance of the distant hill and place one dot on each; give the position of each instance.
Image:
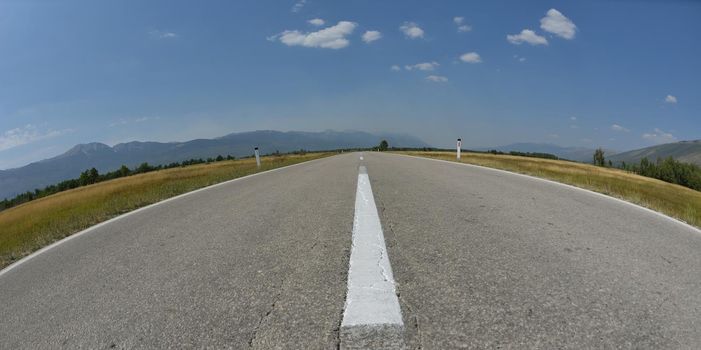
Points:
(105, 158)
(683, 151)
(578, 154)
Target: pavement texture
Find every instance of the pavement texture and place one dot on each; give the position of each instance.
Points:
(487, 259)
(482, 259)
(258, 263)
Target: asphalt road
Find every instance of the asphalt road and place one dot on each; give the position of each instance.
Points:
(482, 259)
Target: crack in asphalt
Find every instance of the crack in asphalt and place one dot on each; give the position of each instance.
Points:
(280, 288)
(383, 271)
(337, 329)
(251, 341)
(391, 237)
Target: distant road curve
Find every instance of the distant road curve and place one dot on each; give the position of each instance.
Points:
(481, 259)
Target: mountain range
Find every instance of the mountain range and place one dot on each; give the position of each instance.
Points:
(683, 151)
(105, 158)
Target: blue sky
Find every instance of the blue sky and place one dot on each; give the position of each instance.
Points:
(617, 74)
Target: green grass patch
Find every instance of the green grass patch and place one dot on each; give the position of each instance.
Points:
(673, 200)
(33, 225)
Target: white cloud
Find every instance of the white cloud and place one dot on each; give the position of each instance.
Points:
(125, 121)
(556, 23)
(395, 68)
(145, 119)
(670, 99)
(471, 57)
(437, 78)
(658, 136)
(371, 35)
(462, 27)
(159, 34)
(118, 123)
(527, 36)
(426, 66)
(573, 118)
(25, 135)
(298, 6)
(412, 30)
(333, 37)
(616, 127)
(316, 22)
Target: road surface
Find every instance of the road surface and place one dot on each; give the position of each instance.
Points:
(480, 259)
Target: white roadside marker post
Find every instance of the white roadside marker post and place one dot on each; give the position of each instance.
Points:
(257, 157)
(459, 147)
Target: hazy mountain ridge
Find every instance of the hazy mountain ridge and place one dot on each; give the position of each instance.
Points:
(683, 151)
(105, 158)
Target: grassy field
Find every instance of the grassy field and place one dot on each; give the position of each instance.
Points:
(30, 226)
(674, 200)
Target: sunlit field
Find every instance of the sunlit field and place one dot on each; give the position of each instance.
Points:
(30, 226)
(674, 200)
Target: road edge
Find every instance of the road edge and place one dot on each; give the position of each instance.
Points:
(663, 215)
(34, 254)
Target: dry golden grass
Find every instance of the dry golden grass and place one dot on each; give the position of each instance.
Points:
(674, 200)
(30, 226)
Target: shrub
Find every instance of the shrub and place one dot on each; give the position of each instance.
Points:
(599, 157)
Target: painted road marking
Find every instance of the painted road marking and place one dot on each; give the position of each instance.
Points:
(372, 317)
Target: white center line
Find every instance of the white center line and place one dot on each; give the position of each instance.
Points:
(372, 317)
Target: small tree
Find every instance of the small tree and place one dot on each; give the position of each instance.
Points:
(124, 171)
(88, 177)
(599, 157)
(383, 146)
(93, 175)
(143, 168)
(220, 158)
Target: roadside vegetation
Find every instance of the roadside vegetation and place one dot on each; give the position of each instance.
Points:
(671, 199)
(35, 224)
(92, 176)
(667, 169)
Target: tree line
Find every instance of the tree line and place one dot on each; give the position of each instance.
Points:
(669, 170)
(665, 169)
(527, 154)
(92, 176)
